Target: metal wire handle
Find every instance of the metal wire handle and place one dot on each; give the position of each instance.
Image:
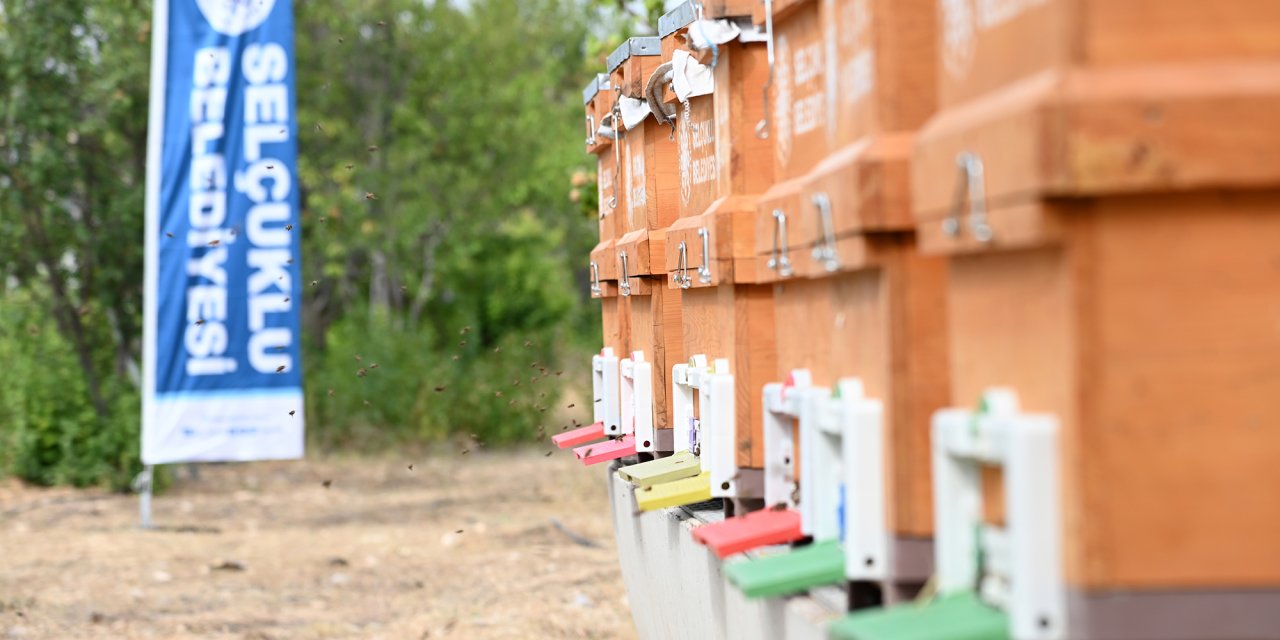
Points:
(682, 266)
(825, 252)
(624, 282)
(971, 190)
(762, 127)
(617, 154)
(595, 279)
(778, 260)
(591, 130)
(704, 271)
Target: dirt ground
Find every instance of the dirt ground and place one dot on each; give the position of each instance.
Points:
(462, 546)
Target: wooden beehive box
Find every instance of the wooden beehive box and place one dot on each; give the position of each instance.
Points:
(649, 178)
(723, 167)
(854, 298)
(852, 81)
(1109, 226)
(599, 99)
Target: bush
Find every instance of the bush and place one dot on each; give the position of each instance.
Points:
(49, 430)
(483, 361)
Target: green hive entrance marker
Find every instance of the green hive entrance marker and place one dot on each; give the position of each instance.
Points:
(960, 616)
(676, 467)
(818, 564)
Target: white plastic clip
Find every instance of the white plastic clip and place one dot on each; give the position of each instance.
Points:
(604, 385)
(720, 433)
(866, 527)
(637, 400)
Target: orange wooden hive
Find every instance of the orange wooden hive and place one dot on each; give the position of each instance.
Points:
(649, 178)
(1108, 223)
(723, 166)
(600, 99)
(852, 81)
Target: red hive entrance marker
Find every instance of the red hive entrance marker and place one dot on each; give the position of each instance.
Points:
(581, 435)
(606, 451)
(744, 533)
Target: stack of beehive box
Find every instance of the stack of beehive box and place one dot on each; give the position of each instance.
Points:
(980, 294)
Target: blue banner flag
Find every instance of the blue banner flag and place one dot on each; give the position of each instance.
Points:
(223, 377)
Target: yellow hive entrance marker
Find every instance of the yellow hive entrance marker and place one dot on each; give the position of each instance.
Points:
(675, 494)
(679, 466)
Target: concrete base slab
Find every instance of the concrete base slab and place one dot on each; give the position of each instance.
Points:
(676, 586)
(1239, 614)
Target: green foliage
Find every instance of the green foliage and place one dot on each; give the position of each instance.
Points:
(51, 432)
(484, 364)
(471, 213)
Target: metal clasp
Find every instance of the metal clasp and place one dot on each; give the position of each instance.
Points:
(624, 282)
(825, 252)
(704, 271)
(595, 279)
(682, 266)
(618, 128)
(778, 260)
(591, 130)
(762, 127)
(971, 189)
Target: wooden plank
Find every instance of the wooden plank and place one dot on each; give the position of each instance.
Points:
(670, 350)
(605, 257)
(1177, 342)
(1110, 131)
(798, 114)
(753, 362)
(730, 226)
(737, 322)
(1011, 325)
(1177, 31)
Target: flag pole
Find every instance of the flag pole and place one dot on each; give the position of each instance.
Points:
(155, 145)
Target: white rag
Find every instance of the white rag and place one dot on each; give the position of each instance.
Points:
(690, 78)
(634, 111)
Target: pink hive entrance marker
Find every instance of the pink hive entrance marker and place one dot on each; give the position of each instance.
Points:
(744, 533)
(606, 451)
(581, 435)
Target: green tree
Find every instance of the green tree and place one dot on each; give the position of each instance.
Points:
(437, 144)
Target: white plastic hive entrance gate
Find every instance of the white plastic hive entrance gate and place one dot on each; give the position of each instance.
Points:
(842, 478)
(712, 434)
(637, 400)
(604, 391)
(783, 404)
(1017, 568)
(684, 379)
